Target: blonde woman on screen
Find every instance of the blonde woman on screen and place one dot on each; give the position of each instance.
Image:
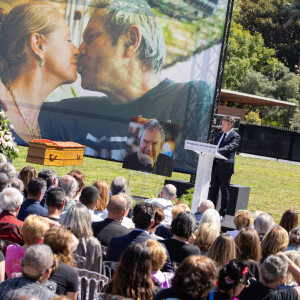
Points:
(36, 56)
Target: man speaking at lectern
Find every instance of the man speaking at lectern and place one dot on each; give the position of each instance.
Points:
(228, 142)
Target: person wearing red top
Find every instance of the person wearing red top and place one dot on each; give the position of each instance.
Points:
(10, 227)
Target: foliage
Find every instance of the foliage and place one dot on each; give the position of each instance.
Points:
(253, 118)
(187, 197)
(277, 21)
(295, 120)
(7, 145)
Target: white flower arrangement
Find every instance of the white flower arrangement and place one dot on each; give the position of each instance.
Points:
(7, 145)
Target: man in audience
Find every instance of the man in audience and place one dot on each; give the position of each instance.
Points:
(55, 202)
(204, 205)
(111, 227)
(37, 266)
(9, 170)
(36, 189)
(143, 218)
(10, 227)
(88, 197)
(273, 271)
(127, 222)
(118, 186)
(165, 201)
(4, 181)
(69, 184)
(50, 177)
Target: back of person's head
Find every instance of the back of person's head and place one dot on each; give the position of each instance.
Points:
(48, 175)
(184, 224)
(158, 254)
(159, 216)
(233, 274)
(38, 257)
(4, 181)
(273, 269)
(8, 169)
(78, 219)
(206, 235)
(263, 223)
(103, 199)
(169, 192)
(26, 174)
(69, 184)
(294, 256)
(248, 244)
(56, 198)
(222, 250)
(59, 240)
(89, 196)
(10, 199)
(118, 185)
(132, 277)
(34, 229)
(178, 208)
(242, 218)
(128, 199)
(80, 178)
(195, 277)
(294, 236)
(117, 205)
(275, 240)
(143, 215)
(211, 216)
(35, 187)
(17, 184)
(205, 205)
(289, 220)
(3, 159)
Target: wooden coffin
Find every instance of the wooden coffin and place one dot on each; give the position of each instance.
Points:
(52, 153)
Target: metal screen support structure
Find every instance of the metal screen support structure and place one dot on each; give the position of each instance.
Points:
(220, 73)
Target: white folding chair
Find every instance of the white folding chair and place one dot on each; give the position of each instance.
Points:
(90, 284)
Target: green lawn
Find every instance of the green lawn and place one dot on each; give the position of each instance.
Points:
(275, 187)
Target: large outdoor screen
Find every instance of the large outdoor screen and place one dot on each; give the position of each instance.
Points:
(156, 60)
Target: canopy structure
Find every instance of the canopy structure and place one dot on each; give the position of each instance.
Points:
(246, 99)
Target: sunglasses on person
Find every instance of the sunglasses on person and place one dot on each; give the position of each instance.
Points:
(35, 278)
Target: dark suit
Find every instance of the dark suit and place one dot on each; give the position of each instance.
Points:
(163, 166)
(105, 230)
(223, 169)
(31, 207)
(118, 245)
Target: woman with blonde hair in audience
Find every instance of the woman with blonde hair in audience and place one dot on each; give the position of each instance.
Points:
(222, 250)
(158, 259)
(289, 220)
(103, 199)
(78, 219)
(26, 174)
(80, 178)
(60, 240)
(211, 216)
(294, 239)
(242, 219)
(205, 236)
(289, 280)
(262, 224)
(248, 249)
(132, 277)
(165, 231)
(33, 232)
(194, 279)
(276, 240)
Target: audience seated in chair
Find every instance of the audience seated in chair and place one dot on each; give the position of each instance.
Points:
(10, 227)
(69, 184)
(204, 205)
(206, 234)
(262, 224)
(26, 174)
(50, 177)
(55, 202)
(80, 178)
(33, 232)
(242, 219)
(78, 219)
(294, 239)
(103, 199)
(37, 266)
(289, 220)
